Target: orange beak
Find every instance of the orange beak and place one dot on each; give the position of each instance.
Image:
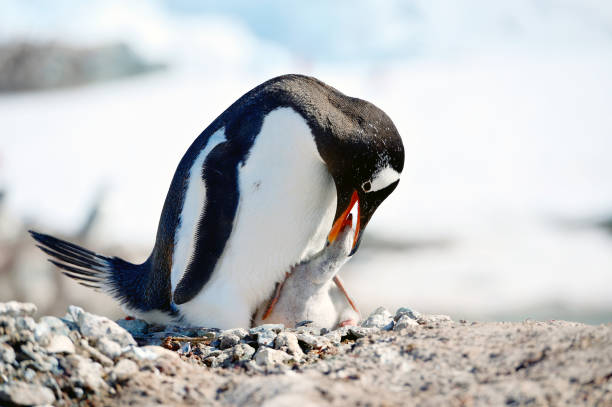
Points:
(346, 218)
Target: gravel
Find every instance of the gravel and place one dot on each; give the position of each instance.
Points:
(403, 358)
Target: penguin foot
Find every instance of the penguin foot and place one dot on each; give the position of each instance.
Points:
(277, 292)
(350, 301)
(348, 322)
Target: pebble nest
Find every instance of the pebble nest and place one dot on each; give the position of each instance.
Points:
(403, 358)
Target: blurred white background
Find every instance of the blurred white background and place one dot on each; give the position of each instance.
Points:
(505, 109)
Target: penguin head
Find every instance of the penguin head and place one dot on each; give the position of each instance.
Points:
(365, 155)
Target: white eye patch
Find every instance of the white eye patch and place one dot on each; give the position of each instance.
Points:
(381, 180)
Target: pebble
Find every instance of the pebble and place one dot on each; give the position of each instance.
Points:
(95, 353)
(124, 369)
(25, 323)
(95, 326)
(136, 327)
(17, 309)
(59, 344)
(288, 342)
(310, 342)
(434, 319)
(269, 356)
(267, 327)
(29, 374)
(266, 338)
(266, 333)
(7, 353)
(185, 348)
(405, 322)
(25, 394)
(361, 331)
(48, 325)
(381, 318)
(243, 352)
(336, 335)
(410, 313)
(109, 348)
(152, 352)
(228, 340)
(239, 332)
(84, 373)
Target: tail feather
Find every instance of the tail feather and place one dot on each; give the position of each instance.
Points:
(112, 275)
(77, 262)
(128, 283)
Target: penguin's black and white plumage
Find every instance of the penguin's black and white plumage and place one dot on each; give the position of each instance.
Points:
(263, 188)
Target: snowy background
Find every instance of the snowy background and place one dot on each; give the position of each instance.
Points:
(505, 109)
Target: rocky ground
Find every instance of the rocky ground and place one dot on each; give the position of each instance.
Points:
(406, 358)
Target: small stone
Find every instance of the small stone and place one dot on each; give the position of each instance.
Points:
(310, 342)
(109, 348)
(29, 374)
(42, 362)
(59, 344)
(150, 352)
(410, 313)
(48, 325)
(25, 394)
(267, 356)
(140, 353)
(78, 392)
(17, 309)
(434, 319)
(266, 333)
(228, 340)
(309, 329)
(267, 327)
(210, 333)
(95, 353)
(381, 318)
(336, 335)
(405, 322)
(203, 351)
(124, 369)
(84, 373)
(136, 327)
(239, 332)
(185, 348)
(25, 323)
(243, 352)
(223, 359)
(288, 342)
(95, 326)
(7, 353)
(360, 331)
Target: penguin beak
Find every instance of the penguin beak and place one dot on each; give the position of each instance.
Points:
(351, 215)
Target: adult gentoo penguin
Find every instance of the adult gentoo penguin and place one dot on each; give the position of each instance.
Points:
(266, 186)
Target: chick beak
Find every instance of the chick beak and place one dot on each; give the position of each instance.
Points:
(350, 216)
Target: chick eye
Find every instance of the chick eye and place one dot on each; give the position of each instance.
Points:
(366, 186)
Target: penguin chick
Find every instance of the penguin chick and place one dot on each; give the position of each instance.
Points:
(311, 291)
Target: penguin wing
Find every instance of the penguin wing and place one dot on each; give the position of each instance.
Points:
(220, 175)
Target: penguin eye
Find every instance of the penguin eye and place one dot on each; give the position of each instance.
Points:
(366, 186)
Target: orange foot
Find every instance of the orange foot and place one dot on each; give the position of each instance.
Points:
(279, 287)
(348, 322)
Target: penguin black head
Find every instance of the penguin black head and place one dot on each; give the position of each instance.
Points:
(365, 155)
(357, 141)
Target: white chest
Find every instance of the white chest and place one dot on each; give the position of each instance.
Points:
(286, 208)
